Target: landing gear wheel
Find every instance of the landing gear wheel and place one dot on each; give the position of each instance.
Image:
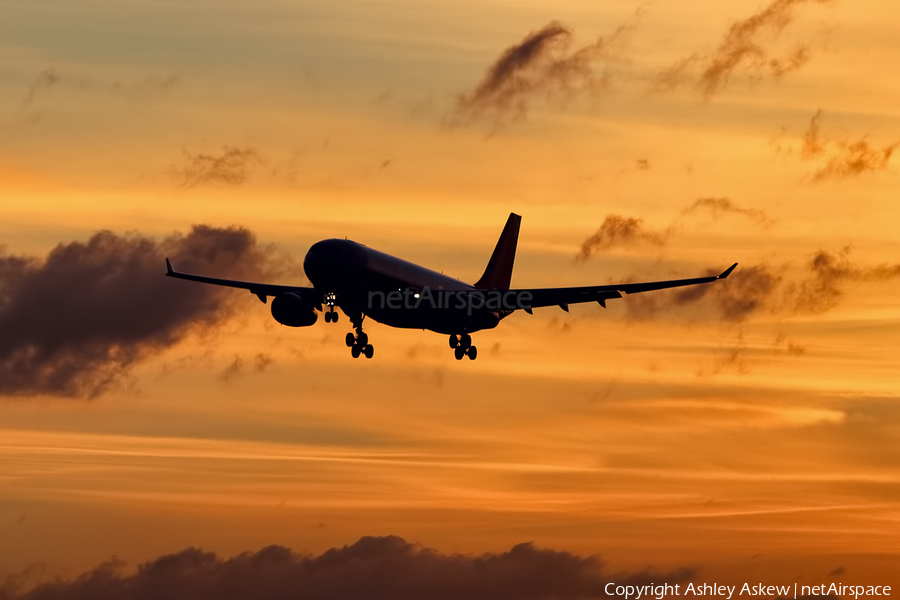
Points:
(472, 352)
(465, 341)
(459, 352)
(358, 341)
(454, 341)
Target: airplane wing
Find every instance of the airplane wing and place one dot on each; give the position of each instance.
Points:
(563, 297)
(261, 290)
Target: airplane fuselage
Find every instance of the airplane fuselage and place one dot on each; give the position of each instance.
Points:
(393, 291)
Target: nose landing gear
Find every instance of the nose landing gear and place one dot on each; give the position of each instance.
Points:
(330, 315)
(462, 346)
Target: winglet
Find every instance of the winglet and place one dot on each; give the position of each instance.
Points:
(726, 272)
(169, 269)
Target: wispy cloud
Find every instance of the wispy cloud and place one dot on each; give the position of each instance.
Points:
(56, 79)
(745, 292)
(373, 567)
(618, 231)
(743, 50)
(544, 62)
(828, 272)
(773, 289)
(74, 323)
(147, 85)
(238, 366)
(44, 81)
(839, 159)
(232, 167)
(717, 207)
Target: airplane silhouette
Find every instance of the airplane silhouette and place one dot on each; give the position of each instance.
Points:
(367, 283)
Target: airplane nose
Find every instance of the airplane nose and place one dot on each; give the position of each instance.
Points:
(333, 259)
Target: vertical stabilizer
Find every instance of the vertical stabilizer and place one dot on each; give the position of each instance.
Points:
(498, 273)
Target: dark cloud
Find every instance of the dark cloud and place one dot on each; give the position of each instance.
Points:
(779, 289)
(828, 273)
(232, 167)
(722, 206)
(373, 567)
(620, 231)
(838, 158)
(742, 50)
(747, 290)
(822, 290)
(73, 324)
(544, 62)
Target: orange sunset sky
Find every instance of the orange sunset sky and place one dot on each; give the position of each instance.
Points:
(749, 432)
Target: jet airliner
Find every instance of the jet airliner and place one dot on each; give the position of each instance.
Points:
(363, 282)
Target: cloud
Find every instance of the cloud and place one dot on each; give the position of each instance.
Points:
(543, 62)
(618, 231)
(232, 167)
(777, 290)
(822, 290)
(51, 78)
(742, 49)
(747, 290)
(812, 139)
(238, 366)
(721, 206)
(373, 567)
(839, 159)
(44, 81)
(147, 85)
(73, 324)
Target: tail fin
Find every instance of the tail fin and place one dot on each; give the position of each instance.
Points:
(498, 273)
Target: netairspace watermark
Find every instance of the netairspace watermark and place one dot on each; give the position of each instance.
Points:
(441, 299)
(661, 591)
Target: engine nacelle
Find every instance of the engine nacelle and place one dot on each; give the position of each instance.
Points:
(290, 309)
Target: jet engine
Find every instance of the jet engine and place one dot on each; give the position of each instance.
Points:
(291, 310)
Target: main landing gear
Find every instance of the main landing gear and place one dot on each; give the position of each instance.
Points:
(330, 315)
(359, 343)
(462, 345)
